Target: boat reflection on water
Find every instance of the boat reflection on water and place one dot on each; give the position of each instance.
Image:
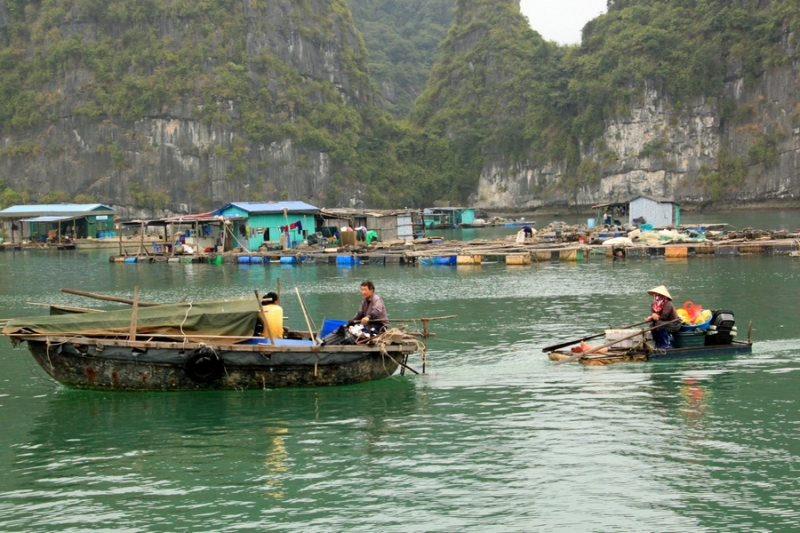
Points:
(189, 445)
(695, 396)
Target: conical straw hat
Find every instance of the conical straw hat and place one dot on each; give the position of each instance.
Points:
(662, 290)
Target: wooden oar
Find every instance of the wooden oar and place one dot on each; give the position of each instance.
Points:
(108, 298)
(612, 343)
(570, 343)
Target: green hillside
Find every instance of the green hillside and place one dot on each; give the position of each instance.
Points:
(500, 88)
(403, 38)
(497, 90)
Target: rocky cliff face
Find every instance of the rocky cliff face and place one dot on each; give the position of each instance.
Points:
(742, 149)
(195, 149)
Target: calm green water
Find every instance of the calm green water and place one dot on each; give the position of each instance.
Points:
(493, 438)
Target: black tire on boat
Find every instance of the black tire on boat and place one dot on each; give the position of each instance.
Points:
(203, 365)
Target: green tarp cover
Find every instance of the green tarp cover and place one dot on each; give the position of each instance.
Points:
(198, 321)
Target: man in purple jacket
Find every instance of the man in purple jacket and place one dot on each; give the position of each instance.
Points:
(372, 312)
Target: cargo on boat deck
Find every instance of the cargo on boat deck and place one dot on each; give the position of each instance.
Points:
(616, 334)
(686, 339)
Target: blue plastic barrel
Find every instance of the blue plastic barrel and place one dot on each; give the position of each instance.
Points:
(345, 260)
(130, 259)
(449, 260)
(287, 260)
(256, 259)
(243, 259)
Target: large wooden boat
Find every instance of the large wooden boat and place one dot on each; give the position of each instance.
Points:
(197, 345)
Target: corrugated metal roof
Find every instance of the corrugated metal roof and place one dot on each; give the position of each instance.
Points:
(54, 209)
(657, 199)
(269, 207)
(46, 219)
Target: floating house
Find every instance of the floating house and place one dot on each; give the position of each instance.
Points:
(254, 224)
(655, 211)
(389, 225)
(56, 222)
(448, 217)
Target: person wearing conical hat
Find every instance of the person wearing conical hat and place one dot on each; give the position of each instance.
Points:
(662, 310)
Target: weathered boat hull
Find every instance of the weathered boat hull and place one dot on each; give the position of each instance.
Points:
(630, 356)
(127, 366)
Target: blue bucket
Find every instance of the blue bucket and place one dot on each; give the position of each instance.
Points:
(330, 325)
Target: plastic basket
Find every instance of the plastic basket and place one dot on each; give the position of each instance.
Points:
(688, 339)
(696, 327)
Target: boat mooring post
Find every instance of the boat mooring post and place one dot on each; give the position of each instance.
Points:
(424, 344)
(134, 312)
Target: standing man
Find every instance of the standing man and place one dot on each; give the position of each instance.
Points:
(372, 313)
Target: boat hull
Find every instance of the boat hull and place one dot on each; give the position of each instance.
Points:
(124, 366)
(631, 356)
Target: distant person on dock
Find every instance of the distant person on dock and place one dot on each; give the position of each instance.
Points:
(528, 231)
(372, 313)
(662, 310)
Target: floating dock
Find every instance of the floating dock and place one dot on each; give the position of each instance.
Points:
(458, 253)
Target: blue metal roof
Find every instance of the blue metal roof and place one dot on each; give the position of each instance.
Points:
(55, 209)
(269, 207)
(46, 219)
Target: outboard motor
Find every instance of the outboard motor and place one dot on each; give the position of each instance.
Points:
(722, 329)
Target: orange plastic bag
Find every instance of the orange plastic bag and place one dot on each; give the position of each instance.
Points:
(692, 310)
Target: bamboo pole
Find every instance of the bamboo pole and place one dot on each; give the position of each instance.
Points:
(305, 314)
(68, 307)
(107, 298)
(134, 313)
(141, 240)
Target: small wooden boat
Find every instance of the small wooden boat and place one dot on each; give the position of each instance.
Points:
(637, 346)
(198, 345)
(647, 353)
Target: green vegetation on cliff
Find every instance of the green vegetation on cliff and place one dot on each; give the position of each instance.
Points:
(403, 38)
(501, 89)
(131, 59)
(498, 91)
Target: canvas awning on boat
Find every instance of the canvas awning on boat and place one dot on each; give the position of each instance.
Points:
(200, 321)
